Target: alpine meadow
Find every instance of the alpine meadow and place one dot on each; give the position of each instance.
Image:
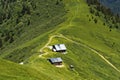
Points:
(59, 40)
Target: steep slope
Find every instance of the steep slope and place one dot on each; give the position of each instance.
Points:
(43, 18)
(12, 71)
(91, 48)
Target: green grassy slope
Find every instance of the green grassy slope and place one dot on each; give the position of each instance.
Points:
(43, 18)
(12, 71)
(92, 49)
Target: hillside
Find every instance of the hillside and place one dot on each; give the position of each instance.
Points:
(19, 17)
(92, 48)
(26, 26)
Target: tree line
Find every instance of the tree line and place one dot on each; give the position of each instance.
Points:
(15, 16)
(111, 19)
(11, 14)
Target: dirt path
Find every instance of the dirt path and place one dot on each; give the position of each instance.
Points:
(49, 41)
(93, 50)
(105, 60)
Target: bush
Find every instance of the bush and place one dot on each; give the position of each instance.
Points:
(95, 20)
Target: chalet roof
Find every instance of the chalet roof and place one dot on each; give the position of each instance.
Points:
(59, 47)
(55, 60)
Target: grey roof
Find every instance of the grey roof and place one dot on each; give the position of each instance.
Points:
(60, 47)
(54, 60)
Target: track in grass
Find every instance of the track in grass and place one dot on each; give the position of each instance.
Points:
(93, 50)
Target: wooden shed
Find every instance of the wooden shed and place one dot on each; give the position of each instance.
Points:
(59, 48)
(56, 61)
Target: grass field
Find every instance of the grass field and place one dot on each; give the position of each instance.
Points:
(91, 48)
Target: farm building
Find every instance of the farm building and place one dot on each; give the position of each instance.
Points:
(56, 61)
(59, 48)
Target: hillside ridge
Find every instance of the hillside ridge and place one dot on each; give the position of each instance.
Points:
(92, 48)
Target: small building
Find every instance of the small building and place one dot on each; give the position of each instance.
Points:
(59, 48)
(71, 67)
(56, 61)
(21, 63)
